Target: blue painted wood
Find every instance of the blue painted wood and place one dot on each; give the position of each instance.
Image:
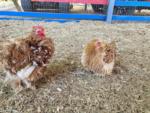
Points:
(110, 11)
(54, 15)
(60, 16)
(37, 19)
(132, 3)
(114, 18)
(130, 18)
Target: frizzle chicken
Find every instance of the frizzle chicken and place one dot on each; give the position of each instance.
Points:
(99, 56)
(27, 60)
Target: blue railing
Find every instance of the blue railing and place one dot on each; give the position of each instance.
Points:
(109, 17)
(112, 3)
(132, 3)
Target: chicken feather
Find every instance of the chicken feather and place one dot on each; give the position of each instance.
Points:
(27, 59)
(99, 56)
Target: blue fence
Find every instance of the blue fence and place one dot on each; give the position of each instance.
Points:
(109, 17)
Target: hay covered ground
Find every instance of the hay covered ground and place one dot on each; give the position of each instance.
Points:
(74, 90)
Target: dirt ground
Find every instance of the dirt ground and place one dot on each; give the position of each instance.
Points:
(75, 90)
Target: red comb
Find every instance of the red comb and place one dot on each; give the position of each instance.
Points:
(39, 30)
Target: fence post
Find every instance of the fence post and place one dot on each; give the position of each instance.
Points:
(110, 11)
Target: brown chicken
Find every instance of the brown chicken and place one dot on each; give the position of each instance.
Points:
(99, 56)
(27, 59)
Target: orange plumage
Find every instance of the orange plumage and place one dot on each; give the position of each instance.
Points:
(99, 56)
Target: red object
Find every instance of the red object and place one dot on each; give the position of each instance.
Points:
(76, 1)
(40, 31)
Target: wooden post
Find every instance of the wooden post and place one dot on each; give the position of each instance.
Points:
(110, 11)
(17, 5)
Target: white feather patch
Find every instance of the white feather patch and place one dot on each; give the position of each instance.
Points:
(9, 76)
(108, 67)
(26, 72)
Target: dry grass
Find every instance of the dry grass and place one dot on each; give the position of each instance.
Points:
(75, 90)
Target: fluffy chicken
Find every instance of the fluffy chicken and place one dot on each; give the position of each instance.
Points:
(99, 56)
(27, 60)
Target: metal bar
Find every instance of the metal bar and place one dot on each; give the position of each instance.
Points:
(131, 18)
(110, 11)
(76, 1)
(85, 7)
(37, 19)
(54, 15)
(132, 3)
(75, 16)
